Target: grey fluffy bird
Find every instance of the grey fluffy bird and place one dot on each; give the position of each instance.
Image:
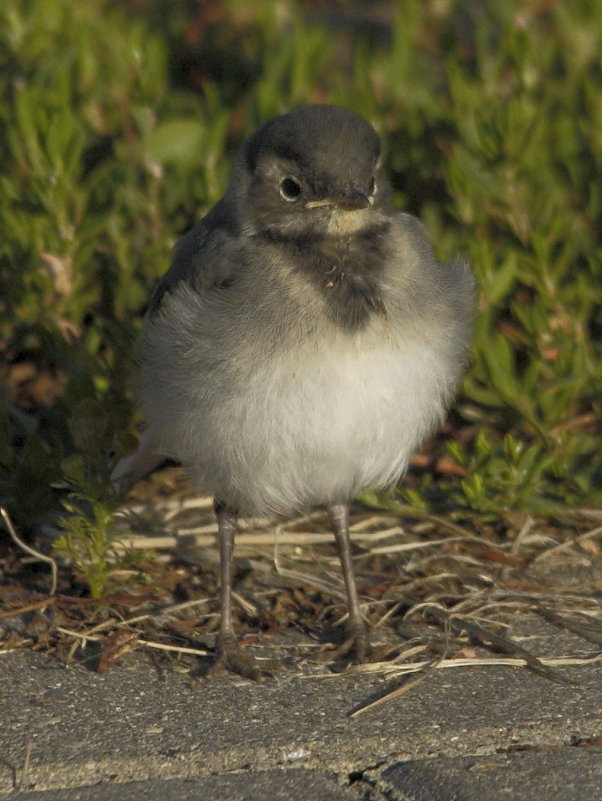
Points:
(304, 341)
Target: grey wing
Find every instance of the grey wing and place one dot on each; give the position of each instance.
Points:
(423, 289)
(455, 278)
(192, 260)
(199, 260)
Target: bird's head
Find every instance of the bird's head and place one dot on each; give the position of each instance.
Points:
(314, 172)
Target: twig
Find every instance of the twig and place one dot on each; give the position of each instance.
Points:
(168, 610)
(303, 578)
(490, 639)
(445, 523)
(414, 546)
(594, 514)
(564, 545)
(83, 637)
(170, 508)
(393, 668)
(148, 643)
(395, 608)
(389, 695)
(396, 692)
(29, 608)
(204, 536)
(522, 535)
(25, 768)
(28, 549)
(591, 633)
(179, 649)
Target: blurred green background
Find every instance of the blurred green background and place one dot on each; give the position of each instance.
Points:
(118, 124)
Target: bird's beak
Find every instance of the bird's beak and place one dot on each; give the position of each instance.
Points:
(352, 200)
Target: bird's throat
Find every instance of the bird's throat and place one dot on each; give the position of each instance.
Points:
(347, 271)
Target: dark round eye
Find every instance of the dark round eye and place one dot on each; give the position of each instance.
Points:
(290, 189)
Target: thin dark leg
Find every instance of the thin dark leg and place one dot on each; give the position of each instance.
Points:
(357, 643)
(230, 656)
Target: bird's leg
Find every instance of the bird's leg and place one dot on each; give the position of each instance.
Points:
(230, 656)
(357, 641)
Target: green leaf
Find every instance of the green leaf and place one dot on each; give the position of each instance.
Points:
(179, 141)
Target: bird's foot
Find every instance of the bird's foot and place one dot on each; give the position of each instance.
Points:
(356, 646)
(231, 658)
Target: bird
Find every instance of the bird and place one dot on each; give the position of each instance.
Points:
(303, 343)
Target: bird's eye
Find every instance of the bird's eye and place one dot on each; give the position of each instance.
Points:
(372, 187)
(290, 189)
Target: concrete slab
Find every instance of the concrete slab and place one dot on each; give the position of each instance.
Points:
(567, 774)
(136, 723)
(283, 785)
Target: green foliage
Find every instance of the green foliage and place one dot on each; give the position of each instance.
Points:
(118, 123)
(503, 476)
(91, 536)
(89, 541)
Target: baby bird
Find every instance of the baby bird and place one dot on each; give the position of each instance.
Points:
(303, 343)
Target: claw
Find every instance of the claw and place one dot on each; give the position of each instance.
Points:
(231, 658)
(356, 645)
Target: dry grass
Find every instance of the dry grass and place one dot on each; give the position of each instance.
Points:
(436, 594)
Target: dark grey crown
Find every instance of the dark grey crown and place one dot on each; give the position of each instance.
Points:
(328, 141)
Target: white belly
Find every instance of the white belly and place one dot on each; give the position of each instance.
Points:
(311, 425)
